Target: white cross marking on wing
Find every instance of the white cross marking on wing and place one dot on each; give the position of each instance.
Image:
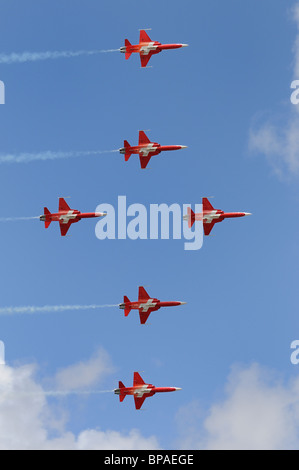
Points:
(145, 50)
(144, 151)
(146, 306)
(65, 218)
(142, 390)
(208, 218)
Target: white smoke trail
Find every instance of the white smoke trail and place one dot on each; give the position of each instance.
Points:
(23, 57)
(57, 393)
(32, 309)
(13, 219)
(48, 155)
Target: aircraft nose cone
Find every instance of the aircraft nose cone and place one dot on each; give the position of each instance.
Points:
(247, 213)
(184, 45)
(183, 303)
(177, 388)
(183, 146)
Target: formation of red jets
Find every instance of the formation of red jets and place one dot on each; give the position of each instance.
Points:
(67, 216)
(208, 217)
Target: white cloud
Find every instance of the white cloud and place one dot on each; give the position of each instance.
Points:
(279, 141)
(280, 144)
(28, 421)
(85, 373)
(258, 412)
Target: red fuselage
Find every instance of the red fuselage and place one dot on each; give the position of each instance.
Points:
(71, 216)
(146, 48)
(218, 215)
(145, 304)
(146, 149)
(148, 390)
(152, 148)
(153, 304)
(153, 47)
(140, 390)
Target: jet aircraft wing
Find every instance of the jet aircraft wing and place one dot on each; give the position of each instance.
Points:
(139, 401)
(144, 160)
(144, 37)
(143, 138)
(137, 379)
(64, 227)
(63, 206)
(144, 315)
(207, 227)
(145, 57)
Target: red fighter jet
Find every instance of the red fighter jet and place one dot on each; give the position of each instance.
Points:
(66, 216)
(140, 390)
(146, 149)
(146, 48)
(210, 216)
(145, 305)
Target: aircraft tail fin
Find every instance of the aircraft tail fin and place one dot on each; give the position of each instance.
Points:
(127, 146)
(128, 45)
(47, 220)
(127, 309)
(121, 395)
(191, 217)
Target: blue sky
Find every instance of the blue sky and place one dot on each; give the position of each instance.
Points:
(213, 96)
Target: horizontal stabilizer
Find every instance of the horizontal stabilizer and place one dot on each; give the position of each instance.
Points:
(191, 217)
(127, 309)
(121, 395)
(47, 213)
(128, 45)
(127, 147)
